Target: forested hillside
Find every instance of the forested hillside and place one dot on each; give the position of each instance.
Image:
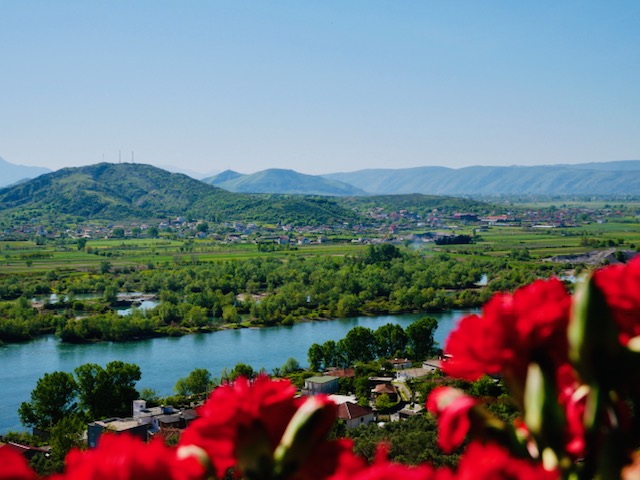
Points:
(135, 191)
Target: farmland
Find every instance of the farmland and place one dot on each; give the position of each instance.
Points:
(207, 277)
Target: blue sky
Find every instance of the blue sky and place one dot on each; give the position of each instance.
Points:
(319, 86)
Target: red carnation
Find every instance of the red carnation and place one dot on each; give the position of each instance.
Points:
(14, 466)
(572, 397)
(242, 418)
(383, 469)
(122, 457)
(260, 427)
(451, 407)
(492, 462)
(510, 330)
(333, 460)
(621, 287)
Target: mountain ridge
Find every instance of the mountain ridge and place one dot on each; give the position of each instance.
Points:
(278, 180)
(623, 177)
(121, 191)
(11, 173)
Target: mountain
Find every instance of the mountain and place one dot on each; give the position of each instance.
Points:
(190, 173)
(606, 178)
(11, 173)
(227, 176)
(277, 180)
(136, 191)
(614, 166)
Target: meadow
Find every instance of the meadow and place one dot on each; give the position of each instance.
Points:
(29, 257)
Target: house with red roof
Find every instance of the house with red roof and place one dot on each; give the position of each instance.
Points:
(354, 415)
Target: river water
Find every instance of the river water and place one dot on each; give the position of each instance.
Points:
(164, 360)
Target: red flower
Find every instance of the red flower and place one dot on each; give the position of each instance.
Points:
(241, 425)
(394, 471)
(621, 287)
(382, 469)
(451, 406)
(122, 457)
(241, 419)
(13, 466)
(572, 397)
(492, 462)
(332, 460)
(511, 329)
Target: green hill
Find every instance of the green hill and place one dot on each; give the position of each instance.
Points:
(135, 191)
(275, 180)
(415, 202)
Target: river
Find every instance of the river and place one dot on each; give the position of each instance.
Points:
(164, 360)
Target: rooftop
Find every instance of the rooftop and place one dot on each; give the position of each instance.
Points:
(118, 424)
(323, 379)
(348, 411)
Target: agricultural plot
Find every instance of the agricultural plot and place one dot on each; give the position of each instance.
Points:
(540, 244)
(29, 257)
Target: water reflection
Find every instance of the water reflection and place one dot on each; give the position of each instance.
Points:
(164, 360)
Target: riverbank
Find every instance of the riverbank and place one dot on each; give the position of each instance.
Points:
(134, 316)
(163, 360)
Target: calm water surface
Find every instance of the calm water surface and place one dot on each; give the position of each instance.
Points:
(164, 360)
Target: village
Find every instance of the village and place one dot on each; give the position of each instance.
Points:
(391, 398)
(395, 226)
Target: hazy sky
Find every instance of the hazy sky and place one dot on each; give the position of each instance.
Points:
(319, 86)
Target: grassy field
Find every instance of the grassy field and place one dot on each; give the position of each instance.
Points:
(545, 243)
(23, 257)
(29, 257)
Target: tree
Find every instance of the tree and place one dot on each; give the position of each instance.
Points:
(81, 243)
(241, 370)
(316, 357)
(391, 339)
(110, 293)
(197, 382)
(53, 399)
(90, 389)
(420, 337)
(230, 314)
(118, 232)
(291, 365)
(333, 356)
(151, 396)
(382, 253)
(110, 391)
(383, 402)
(152, 232)
(65, 435)
(359, 344)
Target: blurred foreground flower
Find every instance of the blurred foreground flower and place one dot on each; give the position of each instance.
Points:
(571, 364)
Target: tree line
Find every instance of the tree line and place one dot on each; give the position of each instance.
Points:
(259, 291)
(361, 344)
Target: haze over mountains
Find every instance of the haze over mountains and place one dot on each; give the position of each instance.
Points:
(606, 178)
(11, 173)
(602, 178)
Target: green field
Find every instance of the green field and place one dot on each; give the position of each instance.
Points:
(544, 243)
(28, 257)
